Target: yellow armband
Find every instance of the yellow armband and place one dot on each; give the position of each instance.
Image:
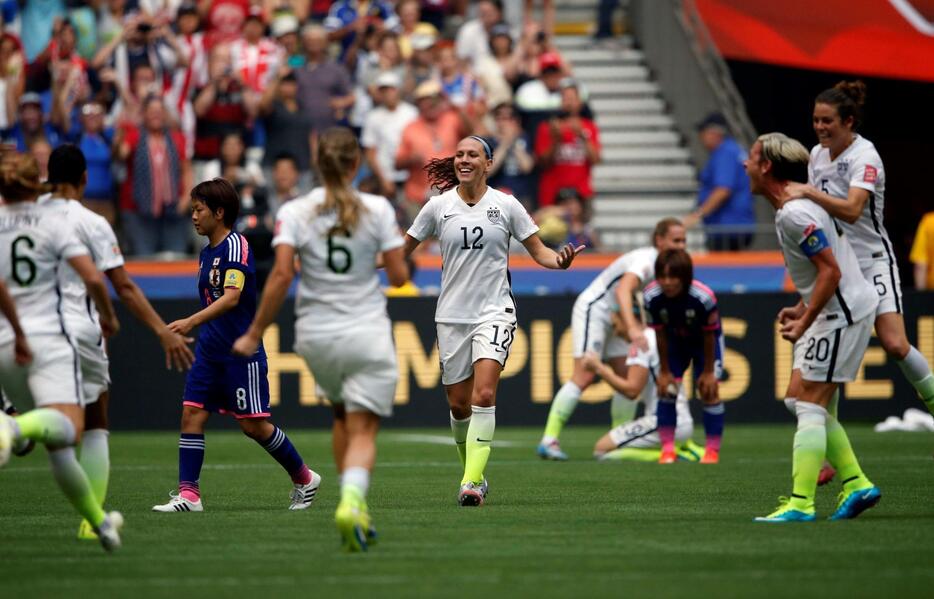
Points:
(234, 279)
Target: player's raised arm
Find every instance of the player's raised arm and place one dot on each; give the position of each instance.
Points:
(547, 257)
(97, 290)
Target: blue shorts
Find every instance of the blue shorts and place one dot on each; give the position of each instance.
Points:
(232, 385)
(684, 353)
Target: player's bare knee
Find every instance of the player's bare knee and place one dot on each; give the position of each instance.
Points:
(193, 419)
(257, 429)
(582, 377)
(894, 344)
(484, 397)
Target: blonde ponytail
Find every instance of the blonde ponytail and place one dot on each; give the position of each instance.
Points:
(338, 154)
(19, 178)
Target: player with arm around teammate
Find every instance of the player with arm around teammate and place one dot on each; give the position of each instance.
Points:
(686, 319)
(219, 381)
(830, 334)
(611, 293)
(476, 313)
(341, 328)
(37, 242)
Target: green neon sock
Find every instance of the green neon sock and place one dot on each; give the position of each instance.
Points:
(479, 443)
(562, 407)
(810, 446)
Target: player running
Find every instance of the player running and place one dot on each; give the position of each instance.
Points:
(37, 241)
(830, 329)
(847, 179)
(592, 331)
(68, 174)
(218, 381)
(342, 328)
(685, 316)
(476, 313)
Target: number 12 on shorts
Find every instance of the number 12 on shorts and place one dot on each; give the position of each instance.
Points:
(503, 336)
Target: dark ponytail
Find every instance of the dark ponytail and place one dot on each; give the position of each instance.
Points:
(441, 173)
(848, 97)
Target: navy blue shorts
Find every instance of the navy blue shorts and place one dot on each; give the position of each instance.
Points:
(233, 385)
(682, 354)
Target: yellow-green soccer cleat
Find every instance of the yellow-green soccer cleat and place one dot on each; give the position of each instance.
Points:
(785, 513)
(86, 532)
(355, 528)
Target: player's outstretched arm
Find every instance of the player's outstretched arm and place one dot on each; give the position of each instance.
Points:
(225, 303)
(397, 271)
(94, 282)
(848, 209)
(23, 355)
(627, 287)
(277, 286)
(631, 385)
(828, 277)
(547, 257)
(175, 346)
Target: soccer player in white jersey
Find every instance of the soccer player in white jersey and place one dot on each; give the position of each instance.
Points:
(476, 313)
(847, 179)
(592, 331)
(639, 440)
(68, 174)
(37, 241)
(341, 328)
(830, 328)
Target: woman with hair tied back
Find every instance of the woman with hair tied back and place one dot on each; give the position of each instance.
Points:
(476, 313)
(341, 328)
(847, 179)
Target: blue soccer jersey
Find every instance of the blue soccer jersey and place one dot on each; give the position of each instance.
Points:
(684, 320)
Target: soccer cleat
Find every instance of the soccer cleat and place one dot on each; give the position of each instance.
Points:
(668, 456)
(6, 438)
(177, 503)
(86, 532)
(470, 495)
(23, 447)
(826, 475)
(354, 525)
(786, 513)
(551, 451)
(710, 457)
(855, 503)
(303, 495)
(484, 488)
(689, 451)
(109, 531)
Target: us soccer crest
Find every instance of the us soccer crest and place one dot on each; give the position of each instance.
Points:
(842, 167)
(214, 277)
(493, 214)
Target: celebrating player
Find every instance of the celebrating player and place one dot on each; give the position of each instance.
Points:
(342, 329)
(476, 313)
(218, 381)
(847, 179)
(68, 174)
(685, 316)
(592, 331)
(37, 242)
(830, 328)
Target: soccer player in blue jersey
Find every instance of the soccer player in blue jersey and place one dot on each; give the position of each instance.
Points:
(219, 381)
(686, 319)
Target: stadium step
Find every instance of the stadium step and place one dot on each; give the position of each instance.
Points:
(629, 155)
(612, 205)
(622, 89)
(597, 55)
(633, 122)
(611, 72)
(640, 139)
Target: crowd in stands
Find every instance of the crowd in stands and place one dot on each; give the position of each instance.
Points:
(162, 94)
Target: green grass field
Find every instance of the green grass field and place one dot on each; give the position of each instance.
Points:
(548, 529)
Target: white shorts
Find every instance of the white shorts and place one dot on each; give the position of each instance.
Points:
(356, 367)
(460, 345)
(833, 356)
(592, 330)
(95, 368)
(642, 433)
(54, 377)
(884, 278)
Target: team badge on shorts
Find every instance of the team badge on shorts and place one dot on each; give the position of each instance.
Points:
(214, 277)
(842, 167)
(493, 214)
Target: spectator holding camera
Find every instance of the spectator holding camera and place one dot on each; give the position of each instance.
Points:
(288, 127)
(142, 42)
(222, 106)
(512, 156)
(345, 21)
(255, 57)
(324, 88)
(59, 65)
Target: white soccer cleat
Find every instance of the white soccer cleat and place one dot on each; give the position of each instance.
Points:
(470, 495)
(177, 503)
(6, 438)
(303, 495)
(484, 488)
(109, 531)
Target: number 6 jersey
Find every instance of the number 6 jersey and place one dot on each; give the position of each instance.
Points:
(474, 244)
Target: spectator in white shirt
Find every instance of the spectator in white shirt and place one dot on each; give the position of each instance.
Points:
(473, 38)
(382, 130)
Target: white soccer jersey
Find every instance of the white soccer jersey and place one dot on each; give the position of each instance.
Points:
(96, 235)
(474, 252)
(339, 287)
(34, 241)
(804, 228)
(640, 262)
(857, 166)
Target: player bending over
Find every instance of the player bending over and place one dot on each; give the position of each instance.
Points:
(219, 381)
(610, 293)
(685, 316)
(36, 243)
(830, 328)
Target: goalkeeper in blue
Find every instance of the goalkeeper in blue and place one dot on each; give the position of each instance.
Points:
(830, 328)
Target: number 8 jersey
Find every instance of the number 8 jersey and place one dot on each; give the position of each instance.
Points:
(474, 244)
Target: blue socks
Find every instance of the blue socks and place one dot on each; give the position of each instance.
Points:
(713, 425)
(190, 460)
(280, 448)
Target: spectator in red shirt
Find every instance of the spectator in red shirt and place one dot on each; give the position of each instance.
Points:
(566, 148)
(222, 106)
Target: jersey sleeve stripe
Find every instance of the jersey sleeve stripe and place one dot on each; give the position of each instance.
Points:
(707, 290)
(244, 249)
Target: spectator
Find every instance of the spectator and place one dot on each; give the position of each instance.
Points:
(36, 24)
(41, 150)
(187, 79)
(533, 44)
(458, 85)
(922, 253)
(154, 197)
(548, 15)
(605, 20)
(29, 126)
(724, 200)
(433, 134)
(512, 157)
(285, 186)
(111, 20)
(142, 43)
(246, 177)
(94, 141)
(422, 66)
(543, 93)
(344, 21)
(58, 62)
(298, 9)
(382, 132)
(128, 106)
(255, 58)
(473, 37)
(12, 78)
(385, 58)
(499, 70)
(411, 24)
(222, 106)
(224, 19)
(288, 128)
(324, 90)
(285, 30)
(567, 147)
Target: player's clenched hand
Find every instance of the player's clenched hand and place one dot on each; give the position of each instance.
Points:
(177, 353)
(591, 361)
(245, 346)
(791, 313)
(663, 382)
(182, 326)
(22, 353)
(707, 385)
(793, 329)
(638, 339)
(110, 326)
(567, 255)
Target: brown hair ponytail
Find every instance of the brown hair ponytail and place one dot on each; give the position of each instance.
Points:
(338, 154)
(19, 178)
(848, 97)
(441, 173)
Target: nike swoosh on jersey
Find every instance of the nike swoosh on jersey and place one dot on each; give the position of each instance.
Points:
(447, 216)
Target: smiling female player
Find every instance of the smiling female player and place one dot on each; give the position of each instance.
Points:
(476, 313)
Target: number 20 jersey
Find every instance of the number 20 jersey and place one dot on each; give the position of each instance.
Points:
(34, 243)
(474, 253)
